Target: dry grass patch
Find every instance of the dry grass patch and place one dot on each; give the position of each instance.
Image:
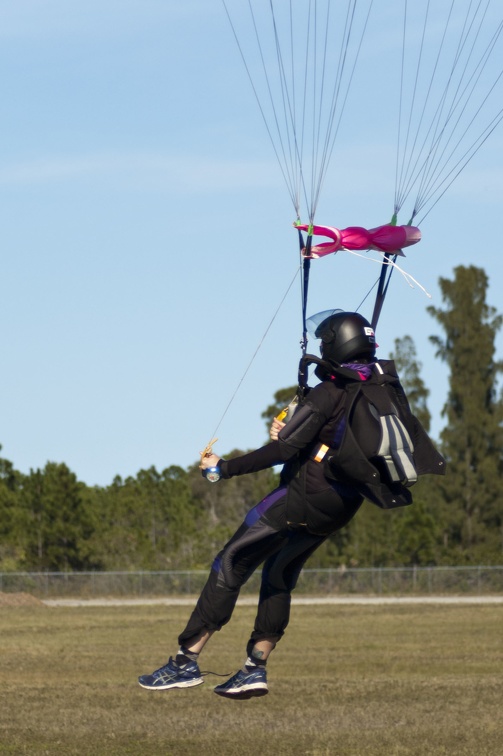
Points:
(348, 681)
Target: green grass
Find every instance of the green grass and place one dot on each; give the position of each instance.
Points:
(359, 681)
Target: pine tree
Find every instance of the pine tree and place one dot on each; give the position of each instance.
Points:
(12, 525)
(59, 524)
(472, 440)
(409, 370)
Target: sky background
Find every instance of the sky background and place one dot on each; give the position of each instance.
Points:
(147, 239)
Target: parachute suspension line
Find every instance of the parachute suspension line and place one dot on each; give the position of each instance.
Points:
(429, 164)
(298, 177)
(444, 140)
(299, 113)
(331, 134)
(437, 185)
(367, 295)
(300, 155)
(296, 116)
(316, 114)
(453, 174)
(283, 165)
(294, 125)
(400, 108)
(295, 133)
(319, 164)
(435, 162)
(400, 181)
(414, 168)
(418, 167)
(295, 160)
(311, 100)
(301, 99)
(241, 380)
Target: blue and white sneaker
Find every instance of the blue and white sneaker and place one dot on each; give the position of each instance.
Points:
(172, 675)
(247, 683)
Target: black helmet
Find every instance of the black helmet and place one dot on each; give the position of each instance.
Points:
(344, 335)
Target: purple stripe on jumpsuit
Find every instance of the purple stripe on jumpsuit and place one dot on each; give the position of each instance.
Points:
(255, 514)
(262, 507)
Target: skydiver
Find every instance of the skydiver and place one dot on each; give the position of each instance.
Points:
(287, 526)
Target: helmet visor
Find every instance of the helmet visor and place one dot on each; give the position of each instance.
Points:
(315, 321)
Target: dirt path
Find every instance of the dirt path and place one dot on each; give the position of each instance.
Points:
(26, 599)
(251, 600)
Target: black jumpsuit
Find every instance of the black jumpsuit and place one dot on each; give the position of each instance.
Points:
(286, 527)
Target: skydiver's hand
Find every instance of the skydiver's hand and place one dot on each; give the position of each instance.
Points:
(209, 460)
(276, 426)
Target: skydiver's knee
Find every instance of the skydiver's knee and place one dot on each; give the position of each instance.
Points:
(283, 575)
(278, 580)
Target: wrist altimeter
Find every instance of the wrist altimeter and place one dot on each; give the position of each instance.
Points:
(212, 474)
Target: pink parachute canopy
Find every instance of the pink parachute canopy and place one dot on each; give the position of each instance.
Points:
(385, 238)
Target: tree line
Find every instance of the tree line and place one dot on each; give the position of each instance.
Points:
(173, 519)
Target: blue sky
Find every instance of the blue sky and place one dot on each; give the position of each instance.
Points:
(147, 237)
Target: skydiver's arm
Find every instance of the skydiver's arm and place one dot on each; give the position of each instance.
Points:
(307, 422)
(298, 433)
(260, 459)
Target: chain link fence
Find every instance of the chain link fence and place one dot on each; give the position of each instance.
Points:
(404, 581)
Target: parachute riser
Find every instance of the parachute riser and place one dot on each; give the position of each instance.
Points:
(305, 250)
(382, 287)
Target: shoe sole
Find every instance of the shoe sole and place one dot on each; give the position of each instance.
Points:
(188, 684)
(242, 695)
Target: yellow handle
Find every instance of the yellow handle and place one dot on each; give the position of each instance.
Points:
(208, 449)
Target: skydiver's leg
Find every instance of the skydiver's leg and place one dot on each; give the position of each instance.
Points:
(250, 546)
(279, 577)
(282, 569)
(233, 566)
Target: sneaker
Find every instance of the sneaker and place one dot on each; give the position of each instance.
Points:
(172, 675)
(247, 683)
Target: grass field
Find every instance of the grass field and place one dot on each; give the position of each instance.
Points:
(359, 681)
